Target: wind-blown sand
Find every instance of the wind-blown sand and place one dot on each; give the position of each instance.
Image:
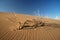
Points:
(9, 21)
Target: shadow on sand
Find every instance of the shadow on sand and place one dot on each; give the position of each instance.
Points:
(53, 25)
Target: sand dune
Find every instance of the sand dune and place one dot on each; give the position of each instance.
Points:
(10, 21)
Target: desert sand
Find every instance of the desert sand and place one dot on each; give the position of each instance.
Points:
(10, 21)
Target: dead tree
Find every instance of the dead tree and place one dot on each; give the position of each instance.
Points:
(32, 23)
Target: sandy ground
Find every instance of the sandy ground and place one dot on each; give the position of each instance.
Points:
(39, 33)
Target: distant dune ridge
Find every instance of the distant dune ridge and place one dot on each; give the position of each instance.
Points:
(57, 18)
(11, 22)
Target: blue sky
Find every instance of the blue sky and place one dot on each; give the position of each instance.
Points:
(49, 8)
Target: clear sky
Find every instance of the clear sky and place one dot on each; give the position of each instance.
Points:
(49, 8)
